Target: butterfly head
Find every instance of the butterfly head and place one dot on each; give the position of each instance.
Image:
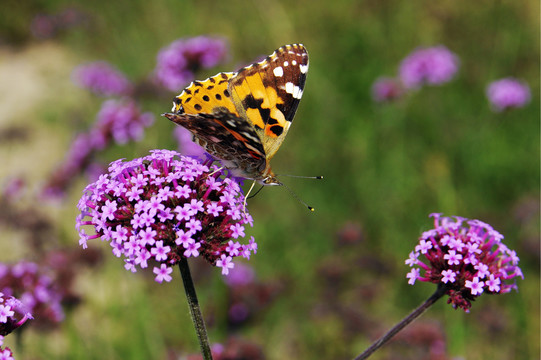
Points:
(269, 178)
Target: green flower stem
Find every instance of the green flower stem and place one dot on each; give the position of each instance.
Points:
(195, 310)
(402, 324)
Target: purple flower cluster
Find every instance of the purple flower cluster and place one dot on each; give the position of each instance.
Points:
(13, 314)
(386, 89)
(36, 290)
(118, 121)
(163, 207)
(177, 62)
(432, 66)
(102, 78)
(508, 93)
(425, 66)
(465, 256)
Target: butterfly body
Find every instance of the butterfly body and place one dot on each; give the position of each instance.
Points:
(241, 118)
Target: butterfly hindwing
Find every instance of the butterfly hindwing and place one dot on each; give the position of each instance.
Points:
(225, 136)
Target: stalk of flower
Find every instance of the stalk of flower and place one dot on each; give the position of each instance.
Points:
(162, 209)
(465, 258)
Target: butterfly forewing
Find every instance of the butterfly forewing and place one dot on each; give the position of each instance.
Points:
(267, 93)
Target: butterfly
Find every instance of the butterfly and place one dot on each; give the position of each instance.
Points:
(241, 118)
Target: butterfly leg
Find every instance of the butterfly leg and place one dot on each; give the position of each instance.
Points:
(217, 170)
(246, 196)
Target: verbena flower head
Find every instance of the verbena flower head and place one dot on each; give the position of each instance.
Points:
(465, 256)
(386, 89)
(165, 206)
(36, 290)
(432, 66)
(177, 62)
(508, 93)
(13, 314)
(102, 78)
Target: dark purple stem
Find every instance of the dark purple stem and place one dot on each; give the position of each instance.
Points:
(440, 291)
(195, 310)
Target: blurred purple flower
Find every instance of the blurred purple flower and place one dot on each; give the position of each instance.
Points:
(102, 78)
(43, 26)
(433, 66)
(164, 207)
(240, 275)
(508, 93)
(465, 256)
(177, 62)
(46, 26)
(185, 144)
(386, 89)
(121, 121)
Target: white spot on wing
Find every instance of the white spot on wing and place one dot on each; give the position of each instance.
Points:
(294, 62)
(286, 63)
(297, 92)
(278, 71)
(304, 68)
(290, 87)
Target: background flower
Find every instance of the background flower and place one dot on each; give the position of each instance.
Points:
(508, 93)
(102, 78)
(467, 257)
(386, 89)
(179, 61)
(432, 66)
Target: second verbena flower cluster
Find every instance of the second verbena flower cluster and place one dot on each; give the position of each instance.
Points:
(163, 207)
(465, 256)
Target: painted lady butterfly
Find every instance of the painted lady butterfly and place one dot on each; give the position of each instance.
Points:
(241, 118)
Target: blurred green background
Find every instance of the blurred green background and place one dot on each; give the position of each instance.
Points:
(338, 273)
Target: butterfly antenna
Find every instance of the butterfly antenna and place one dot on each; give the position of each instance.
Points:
(297, 197)
(303, 177)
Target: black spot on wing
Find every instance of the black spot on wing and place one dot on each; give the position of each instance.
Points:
(277, 129)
